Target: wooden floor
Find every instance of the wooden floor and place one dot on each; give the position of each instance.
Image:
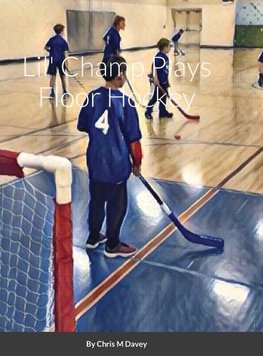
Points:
(224, 141)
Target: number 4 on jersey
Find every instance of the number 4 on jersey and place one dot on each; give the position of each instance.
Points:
(102, 123)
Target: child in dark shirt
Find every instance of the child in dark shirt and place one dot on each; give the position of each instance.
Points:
(160, 74)
(114, 150)
(57, 47)
(175, 39)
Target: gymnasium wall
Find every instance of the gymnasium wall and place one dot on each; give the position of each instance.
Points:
(147, 20)
(25, 25)
(85, 29)
(249, 24)
(249, 12)
(218, 20)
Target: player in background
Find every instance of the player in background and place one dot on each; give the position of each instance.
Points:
(112, 38)
(160, 77)
(114, 150)
(175, 39)
(57, 47)
(260, 62)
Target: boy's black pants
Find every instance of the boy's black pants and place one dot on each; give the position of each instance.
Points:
(114, 196)
(158, 95)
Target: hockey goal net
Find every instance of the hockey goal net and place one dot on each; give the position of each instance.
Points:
(36, 264)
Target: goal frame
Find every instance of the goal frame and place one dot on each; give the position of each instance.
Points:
(13, 164)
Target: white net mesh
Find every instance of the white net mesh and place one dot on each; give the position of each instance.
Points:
(26, 266)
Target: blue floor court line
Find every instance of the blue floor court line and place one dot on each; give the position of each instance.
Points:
(187, 287)
(144, 220)
(180, 286)
(235, 216)
(158, 299)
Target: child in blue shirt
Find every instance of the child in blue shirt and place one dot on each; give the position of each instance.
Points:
(160, 78)
(57, 47)
(112, 40)
(111, 121)
(260, 79)
(112, 37)
(175, 39)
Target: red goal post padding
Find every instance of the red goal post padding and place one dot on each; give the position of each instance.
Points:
(63, 267)
(9, 165)
(12, 164)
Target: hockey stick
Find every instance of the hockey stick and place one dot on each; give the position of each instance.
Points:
(133, 93)
(188, 116)
(190, 236)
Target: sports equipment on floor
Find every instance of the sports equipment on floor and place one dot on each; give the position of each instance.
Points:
(188, 116)
(189, 235)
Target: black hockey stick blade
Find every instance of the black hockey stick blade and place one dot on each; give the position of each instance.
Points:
(206, 240)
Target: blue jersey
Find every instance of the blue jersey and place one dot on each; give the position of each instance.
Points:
(161, 62)
(58, 46)
(176, 37)
(112, 40)
(260, 57)
(111, 120)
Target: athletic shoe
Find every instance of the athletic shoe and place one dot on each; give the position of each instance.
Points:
(257, 86)
(150, 77)
(52, 95)
(148, 116)
(122, 250)
(166, 115)
(95, 243)
(65, 95)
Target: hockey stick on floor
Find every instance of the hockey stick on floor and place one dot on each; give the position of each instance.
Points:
(190, 236)
(188, 116)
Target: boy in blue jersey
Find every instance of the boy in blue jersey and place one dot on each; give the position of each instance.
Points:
(57, 47)
(260, 79)
(112, 38)
(175, 39)
(114, 150)
(160, 75)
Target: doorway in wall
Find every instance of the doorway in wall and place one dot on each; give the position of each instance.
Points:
(191, 21)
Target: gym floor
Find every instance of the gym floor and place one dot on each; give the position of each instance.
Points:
(210, 178)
